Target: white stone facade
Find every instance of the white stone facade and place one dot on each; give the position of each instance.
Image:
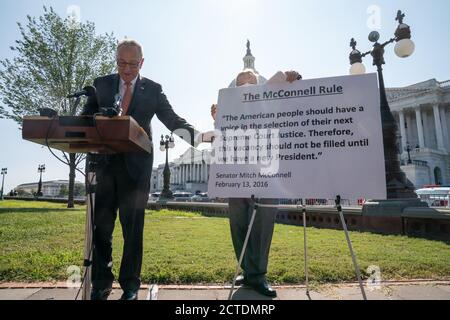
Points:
(189, 172)
(49, 188)
(422, 112)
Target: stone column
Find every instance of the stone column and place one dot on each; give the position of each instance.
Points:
(429, 133)
(445, 128)
(183, 171)
(401, 116)
(420, 128)
(176, 174)
(204, 172)
(437, 124)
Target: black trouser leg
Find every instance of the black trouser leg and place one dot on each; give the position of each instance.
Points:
(256, 257)
(238, 213)
(133, 197)
(104, 219)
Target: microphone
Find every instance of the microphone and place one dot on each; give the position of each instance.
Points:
(88, 91)
(117, 103)
(115, 110)
(47, 112)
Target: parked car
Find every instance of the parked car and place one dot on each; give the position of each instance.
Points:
(154, 196)
(182, 196)
(200, 197)
(435, 196)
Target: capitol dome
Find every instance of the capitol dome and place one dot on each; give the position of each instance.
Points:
(249, 63)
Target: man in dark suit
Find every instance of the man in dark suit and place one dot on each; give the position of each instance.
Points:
(123, 180)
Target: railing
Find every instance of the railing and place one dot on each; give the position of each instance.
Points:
(418, 163)
(77, 200)
(444, 83)
(315, 202)
(434, 200)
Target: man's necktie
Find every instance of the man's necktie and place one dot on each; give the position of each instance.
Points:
(126, 98)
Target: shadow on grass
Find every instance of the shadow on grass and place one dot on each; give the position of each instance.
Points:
(36, 210)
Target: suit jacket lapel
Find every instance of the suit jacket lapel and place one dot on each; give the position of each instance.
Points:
(116, 83)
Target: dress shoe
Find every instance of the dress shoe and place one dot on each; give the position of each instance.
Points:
(262, 286)
(240, 280)
(129, 295)
(100, 294)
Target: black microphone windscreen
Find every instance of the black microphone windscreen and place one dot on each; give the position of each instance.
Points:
(90, 91)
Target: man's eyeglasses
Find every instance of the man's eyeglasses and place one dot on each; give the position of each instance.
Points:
(123, 64)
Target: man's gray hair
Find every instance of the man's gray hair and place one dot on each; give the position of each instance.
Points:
(127, 43)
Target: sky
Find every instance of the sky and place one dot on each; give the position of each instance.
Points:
(193, 48)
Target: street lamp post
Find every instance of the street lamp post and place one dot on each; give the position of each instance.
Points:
(4, 173)
(41, 168)
(398, 186)
(165, 145)
(408, 150)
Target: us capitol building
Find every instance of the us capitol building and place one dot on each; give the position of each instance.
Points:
(422, 112)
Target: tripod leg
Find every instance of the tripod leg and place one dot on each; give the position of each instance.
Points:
(305, 250)
(244, 247)
(355, 263)
(90, 188)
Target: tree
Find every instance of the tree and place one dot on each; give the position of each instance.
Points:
(63, 191)
(54, 57)
(79, 190)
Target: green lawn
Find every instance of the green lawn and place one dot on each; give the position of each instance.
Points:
(39, 241)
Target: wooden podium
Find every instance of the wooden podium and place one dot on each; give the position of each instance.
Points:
(87, 134)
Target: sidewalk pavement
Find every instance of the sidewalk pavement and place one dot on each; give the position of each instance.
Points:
(410, 290)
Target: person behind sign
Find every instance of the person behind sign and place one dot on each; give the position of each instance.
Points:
(256, 258)
(123, 180)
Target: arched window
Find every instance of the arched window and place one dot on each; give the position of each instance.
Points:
(437, 176)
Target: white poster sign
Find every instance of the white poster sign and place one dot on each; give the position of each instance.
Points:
(310, 139)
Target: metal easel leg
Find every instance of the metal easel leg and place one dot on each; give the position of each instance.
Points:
(244, 247)
(88, 245)
(305, 249)
(355, 263)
